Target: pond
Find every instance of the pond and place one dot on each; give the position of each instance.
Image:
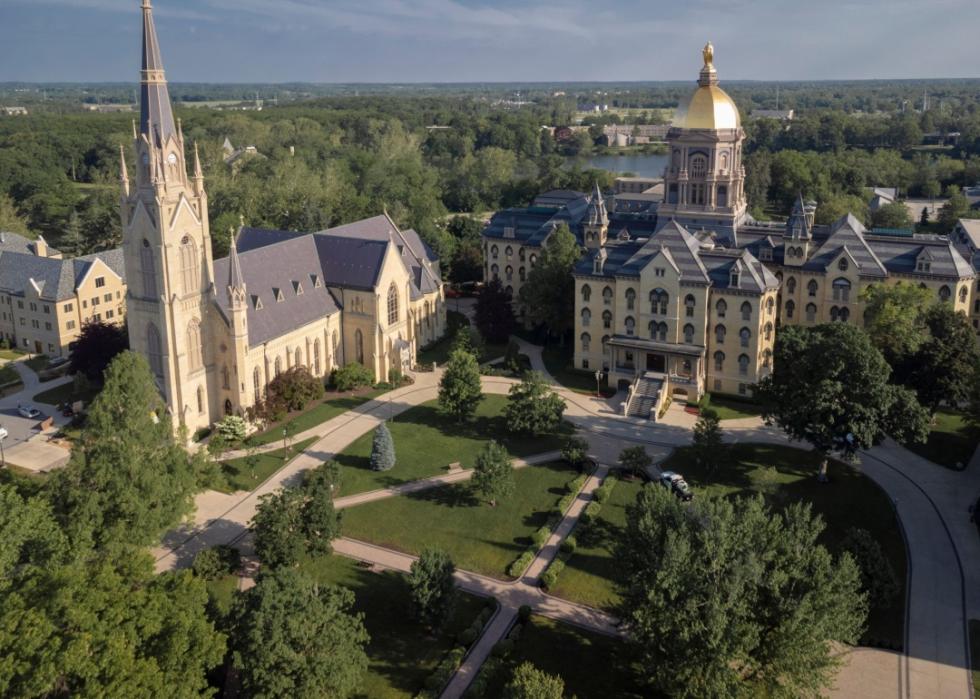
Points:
(639, 164)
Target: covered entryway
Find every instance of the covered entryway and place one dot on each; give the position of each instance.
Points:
(656, 362)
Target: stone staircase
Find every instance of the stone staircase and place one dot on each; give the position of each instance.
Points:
(645, 398)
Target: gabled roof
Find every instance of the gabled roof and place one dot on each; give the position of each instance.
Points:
(55, 279)
(850, 233)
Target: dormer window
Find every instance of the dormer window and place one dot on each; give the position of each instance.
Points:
(256, 303)
(298, 288)
(277, 293)
(734, 278)
(315, 280)
(842, 264)
(923, 266)
(765, 254)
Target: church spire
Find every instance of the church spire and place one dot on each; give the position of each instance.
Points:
(123, 171)
(198, 173)
(236, 280)
(156, 115)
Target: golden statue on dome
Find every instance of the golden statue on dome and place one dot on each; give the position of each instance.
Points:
(709, 54)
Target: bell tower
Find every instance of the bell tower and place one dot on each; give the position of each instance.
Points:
(167, 249)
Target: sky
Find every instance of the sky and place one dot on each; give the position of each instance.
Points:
(342, 41)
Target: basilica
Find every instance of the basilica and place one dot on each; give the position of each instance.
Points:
(216, 332)
(684, 294)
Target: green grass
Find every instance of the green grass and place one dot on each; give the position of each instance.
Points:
(849, 500)
(592, 665)
(559, 363)
(480, 538)
(240, 476)
(951, 441)
(221, 593)
(426, 442)
(67, 392)
(37, 362)
(328, 409)
(10, 354)
(731, 408)
(401, 653)
(8, 375)
(975, 655)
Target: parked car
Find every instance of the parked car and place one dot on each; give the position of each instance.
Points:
(675, 483)
(29, 411)
(67, 410)
(57, 362)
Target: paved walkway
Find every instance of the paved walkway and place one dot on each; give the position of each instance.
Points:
(26, 445)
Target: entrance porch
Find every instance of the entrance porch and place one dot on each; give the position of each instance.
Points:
(683, 366)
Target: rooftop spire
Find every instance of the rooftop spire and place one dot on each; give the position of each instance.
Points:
(156, 115)
(123, 172)
(236, 280)
(596, 212)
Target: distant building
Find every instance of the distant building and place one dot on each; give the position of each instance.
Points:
(109, 108)
(882, 196)
(780, 114)
(636, 185)
(14, 111)
(236, 157)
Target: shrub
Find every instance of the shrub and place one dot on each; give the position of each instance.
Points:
(467, 636)
(515, 632)
(877, 575)
(352, 376)
(518, 567)
(217, 561)
(568, 545)
(576, 485)
(232, 429)
(382, 449)
(592, 509)
(565, 502)
(603, 492)
(503, 648)
(575, 451)
(294, 389)
(550, 577)
(541, 536)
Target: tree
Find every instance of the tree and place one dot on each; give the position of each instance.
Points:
(830, 388)
(127, 479)
(29, 533)
(895, 319)
(532, 407)
(945, 366)
(892, 215)
(382, 449)
(97, 345)
(296, 637)
(924, 216)
(467, 261)
(956, 207)
(548, 296)
(494, 313)
(528, 682)
(635, 460)
(293, 389)
(493, 473)
(432, 588)
(725, 598)
(706, 442)
(232, 429)
(10, 219)
(460, 391)
(320, 520)
(878, 578)
(352, 376)
(575, 451)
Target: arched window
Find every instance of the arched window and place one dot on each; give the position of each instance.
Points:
(200, 399)
(509, 290)
(659, 300)
(746, 311)
(278, 366)
(509, 273)
(393, 304)
(811, 288)
(495, 271)
(720, 333)
(791, 285)
(359, 346)
(845, 313)
(743, 335)
(689, 306)
(586, 317)
(962, 294)
(520, 254)
(834, 314)
(944, 293)
(630, 325)
(316, 357)
(533, 259)
(630, 299)
(522, 274)
(509, 251)
(770, 305)
(841, 289)
(195, 360)
(257, 383)
(723, 161)
(606, 320)
(652, 328)
(721, 308)
(689, 334)
(722, 199)
(586, 293)
(225, 378)
(790, 309)
(298, 357)
(189, 271)
(494, 251)
(149, 270)
(662, 332)
(586, 341)
(154, 353)
(229, 408)
(743, 364)
(768, 332)
(719, 360)
(607, 295)
(699, 165)
(767, 358)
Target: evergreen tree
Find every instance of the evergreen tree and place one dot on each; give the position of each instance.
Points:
(432, 588)
(460, 391)
(493, 474)
(724, 598)
(71, 243)
(382, 449)
(548, 296)
(295, 637)
(532, 407)
(706, 442)
(528, 682)
(494, 313)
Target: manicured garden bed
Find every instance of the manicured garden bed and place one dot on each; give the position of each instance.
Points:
(331, 406)
(849, 500)
(479, 537)
(951, 441)
(426, 442)
(240, 475)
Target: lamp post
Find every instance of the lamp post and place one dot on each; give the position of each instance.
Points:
(598, 378)
(284, 447)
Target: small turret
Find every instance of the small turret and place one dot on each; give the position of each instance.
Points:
(595, 225)
(198, 173)
(123, 173)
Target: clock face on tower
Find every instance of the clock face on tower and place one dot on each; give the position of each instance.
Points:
(172, 158)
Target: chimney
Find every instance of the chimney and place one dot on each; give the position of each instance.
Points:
(41, 247)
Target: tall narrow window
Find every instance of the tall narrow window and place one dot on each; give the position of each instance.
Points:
(689, 334)
(689, 306)
(195, 359)
(316, 357)
(278, 366)
(359, 346)
(154, 353)
(298, 357)
(257, 383)
(586, 341)
(225, 378)
(189, 274)
(200, 399)
(630, 299)
(586, 317)
(744, 335)
(746, 311)
(586, 293)
(149, 270)
(393, 304)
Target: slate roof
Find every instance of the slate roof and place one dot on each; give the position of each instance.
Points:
(14, 242)
(56, 279)
(847, 233)
(156, 114)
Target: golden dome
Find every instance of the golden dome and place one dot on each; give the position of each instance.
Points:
(709, 107)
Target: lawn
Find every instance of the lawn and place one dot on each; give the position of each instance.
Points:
(401, 653)
(951, 441)
(426, 442)
(8, 375)
(37, 362)
(849, 500)
(67, 392)
(241, 476)
(332, 406)
(731, 408)
(10, 354)
(559, 363)
(479, 538)
(592, 665)
(438, 352)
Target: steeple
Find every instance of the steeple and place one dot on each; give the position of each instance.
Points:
(198, 173)
(595, 225)
(123, 171)
(236, 280)
(156, 115)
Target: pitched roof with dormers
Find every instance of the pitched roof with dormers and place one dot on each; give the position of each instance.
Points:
(54, 279)
(847, 235)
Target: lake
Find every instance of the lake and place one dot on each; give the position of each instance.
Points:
(640, 164)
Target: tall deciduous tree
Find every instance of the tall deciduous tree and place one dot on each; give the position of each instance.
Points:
(947, 362)
(548, 296)
(127, 479)
(11, 220)
(830, 387)
(724, 598)
(706, 441)
(528, 682)
(97, 345)
(294, 637)
(460, 391)
(494, 313)
(895, 318)
(532, 407)
(493, 473)
(433, 590)
(893, 215)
